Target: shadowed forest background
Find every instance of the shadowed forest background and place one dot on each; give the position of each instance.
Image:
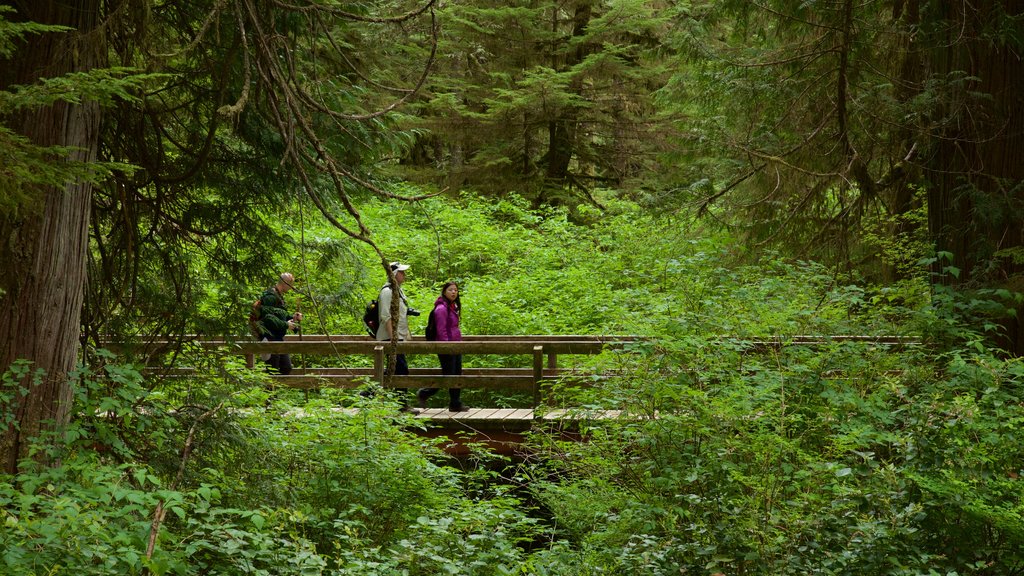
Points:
(705, 174)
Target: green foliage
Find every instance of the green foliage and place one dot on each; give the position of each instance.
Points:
(28, 166)
(11, 33)
(851, 459)
(847, 458)
(551, 100)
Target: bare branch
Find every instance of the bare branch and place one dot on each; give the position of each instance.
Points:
(186, 451)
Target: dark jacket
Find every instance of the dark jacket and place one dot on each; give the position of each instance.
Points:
(446, 318)
(274, 316)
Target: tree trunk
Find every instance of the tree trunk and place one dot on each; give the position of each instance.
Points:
(44, 248)
(901, 176)
(977, 172)
(562, 130)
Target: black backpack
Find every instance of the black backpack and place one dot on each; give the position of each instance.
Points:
(431, 332)
(371, 318)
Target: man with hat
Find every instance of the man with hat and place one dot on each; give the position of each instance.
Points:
(275, 321)
(388, 325)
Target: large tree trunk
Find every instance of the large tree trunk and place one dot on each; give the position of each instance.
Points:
(902, 176)
(978, 169)
(44, 247)
(562, 130)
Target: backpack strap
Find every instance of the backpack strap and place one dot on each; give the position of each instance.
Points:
(401, 294)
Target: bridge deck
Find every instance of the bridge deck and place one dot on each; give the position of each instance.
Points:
(516, 415)
(496, 415)
(498, 420)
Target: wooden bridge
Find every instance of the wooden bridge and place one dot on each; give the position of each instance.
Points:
(501, 428)
(543, 350)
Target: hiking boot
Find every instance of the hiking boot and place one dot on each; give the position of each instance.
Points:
(459, 408)
(421, 402)
(409, 410)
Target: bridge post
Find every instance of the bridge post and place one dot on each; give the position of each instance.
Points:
(538, 373)
(378, 364)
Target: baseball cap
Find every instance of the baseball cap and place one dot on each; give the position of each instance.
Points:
(398, 266)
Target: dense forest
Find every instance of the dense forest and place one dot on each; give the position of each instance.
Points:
(703, 174)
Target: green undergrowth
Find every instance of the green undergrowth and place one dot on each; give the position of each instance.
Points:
(842, 458)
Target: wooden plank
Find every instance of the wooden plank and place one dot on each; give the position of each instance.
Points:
(482, 414)
(365, 338)
(367, 346)
(378, 363)
(355, 372)
(582, 414)
(524, 382)
(485, 413)
(318, 381)
(363, 371)
(434, 414)
(518, 414)
(409, 348)
(538, 373)
(497, 414)
(490, 382)
(358, 344)
(550, 338)
(471, 414)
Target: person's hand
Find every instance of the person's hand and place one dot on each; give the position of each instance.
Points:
(292, 324)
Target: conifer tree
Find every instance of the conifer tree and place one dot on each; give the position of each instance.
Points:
(815, 114)
(547, 99)
(247, 103)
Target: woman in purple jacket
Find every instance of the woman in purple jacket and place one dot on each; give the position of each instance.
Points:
(447, 309)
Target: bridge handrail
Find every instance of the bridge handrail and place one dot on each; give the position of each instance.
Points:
(525, 379)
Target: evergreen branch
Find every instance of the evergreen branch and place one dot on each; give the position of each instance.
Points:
(390, 107)
(344, 56)
(320, 8)
(214, 12)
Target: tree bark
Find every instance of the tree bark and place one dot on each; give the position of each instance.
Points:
(977, 169)
(44, 247)
(562, 130)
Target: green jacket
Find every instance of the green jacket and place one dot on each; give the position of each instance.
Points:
(274, 315)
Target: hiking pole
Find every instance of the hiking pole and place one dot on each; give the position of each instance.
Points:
(298, 310)
(302, 357)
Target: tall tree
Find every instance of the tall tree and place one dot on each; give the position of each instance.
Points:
(549, 99)
(822, 112)
(43, 254)
(238, 98)
(975, 166)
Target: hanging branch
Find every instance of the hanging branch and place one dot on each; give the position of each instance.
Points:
(289, 113)
(390, 107)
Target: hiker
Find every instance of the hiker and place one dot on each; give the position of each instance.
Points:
(445, 318)
(274, 320)
(389, 325)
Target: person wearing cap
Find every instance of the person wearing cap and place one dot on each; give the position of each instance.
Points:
(388, 326)
(275, 321)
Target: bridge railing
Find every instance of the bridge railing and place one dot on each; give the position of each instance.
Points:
(543, 350)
